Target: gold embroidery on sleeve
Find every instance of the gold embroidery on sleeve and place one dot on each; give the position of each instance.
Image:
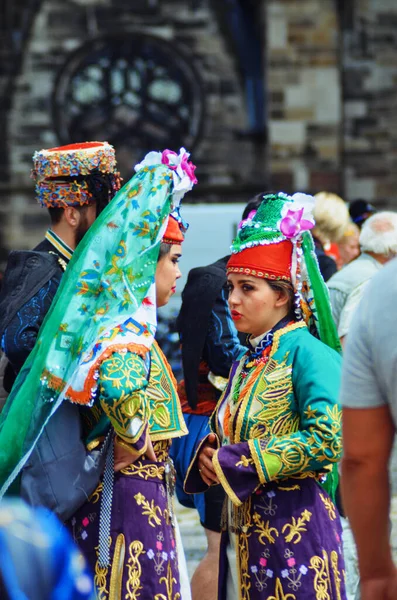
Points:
(245, 461)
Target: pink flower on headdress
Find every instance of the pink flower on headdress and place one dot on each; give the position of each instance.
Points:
(165, 158)
(297, 215)
(189, 168)
(183, 170)
(174, 161)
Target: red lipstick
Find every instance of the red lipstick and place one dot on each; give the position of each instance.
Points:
(235, 315)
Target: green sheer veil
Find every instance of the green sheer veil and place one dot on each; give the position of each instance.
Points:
(106, 302)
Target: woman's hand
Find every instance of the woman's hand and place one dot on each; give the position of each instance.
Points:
(205, 465)
(123, 458)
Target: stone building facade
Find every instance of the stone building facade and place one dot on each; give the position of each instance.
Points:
(330, 81)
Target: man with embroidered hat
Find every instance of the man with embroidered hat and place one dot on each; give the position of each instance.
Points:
(96, 358)
(75, 182)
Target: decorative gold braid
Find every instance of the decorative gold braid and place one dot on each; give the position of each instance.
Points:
(100, 577)
(150, 471)
(134, 570)
(334, 563)
(116, 576)
(322, 582)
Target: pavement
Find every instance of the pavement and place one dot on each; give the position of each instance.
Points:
(194, 540)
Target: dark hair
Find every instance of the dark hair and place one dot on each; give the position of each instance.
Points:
(101, 186)
(56, 212)
(164, 250)
(254, 203)
(286, 288)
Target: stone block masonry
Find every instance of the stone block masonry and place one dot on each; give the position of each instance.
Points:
(332, 98)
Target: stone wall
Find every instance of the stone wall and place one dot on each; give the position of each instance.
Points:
(305, 100)
(370, 102)
(331, 109)
(59, 28)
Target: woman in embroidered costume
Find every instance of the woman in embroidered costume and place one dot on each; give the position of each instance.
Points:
(277, 430)
(97, 349)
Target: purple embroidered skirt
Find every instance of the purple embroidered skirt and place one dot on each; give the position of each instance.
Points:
(144, 561)
(286, 545)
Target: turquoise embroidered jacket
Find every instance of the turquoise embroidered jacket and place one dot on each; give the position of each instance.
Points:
(135, 405)
(284, 419)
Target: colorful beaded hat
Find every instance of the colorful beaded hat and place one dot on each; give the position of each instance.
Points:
(275, 243)
(71, 175)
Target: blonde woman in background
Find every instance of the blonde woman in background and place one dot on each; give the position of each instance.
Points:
(332, 217)
(349, 245)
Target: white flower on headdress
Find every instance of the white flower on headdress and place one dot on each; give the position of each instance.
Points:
(297, 215)
(183, 170)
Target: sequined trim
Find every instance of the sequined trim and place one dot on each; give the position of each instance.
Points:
(255, 273)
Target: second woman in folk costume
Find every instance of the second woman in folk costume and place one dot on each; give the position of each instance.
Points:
(97, 350)
(276, 430)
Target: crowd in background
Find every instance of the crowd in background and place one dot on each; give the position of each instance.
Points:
(352, 243)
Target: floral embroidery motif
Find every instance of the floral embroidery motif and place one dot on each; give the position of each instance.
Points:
(79, 531)
(149, 471)
(149, 509)
(267, 506)
(297, 527)
(292, 573)
(160, 556)
(264, 530)
(261, 574)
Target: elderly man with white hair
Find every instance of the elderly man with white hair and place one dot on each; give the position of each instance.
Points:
(378, 244)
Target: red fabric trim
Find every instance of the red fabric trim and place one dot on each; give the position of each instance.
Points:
(84, 396)
(270, 261)
(173, 233)
(81, 146)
